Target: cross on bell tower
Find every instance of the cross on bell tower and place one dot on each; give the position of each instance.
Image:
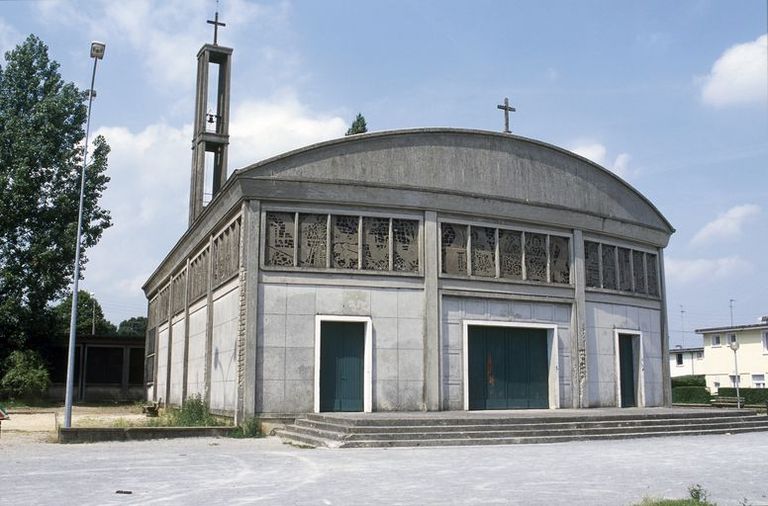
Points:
(211, 127)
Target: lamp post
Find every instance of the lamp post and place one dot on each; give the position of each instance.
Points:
(97, 53)
(735, 348)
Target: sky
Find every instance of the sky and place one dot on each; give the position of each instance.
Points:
(671, 96)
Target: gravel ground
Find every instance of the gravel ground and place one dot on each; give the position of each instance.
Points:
(264, 471)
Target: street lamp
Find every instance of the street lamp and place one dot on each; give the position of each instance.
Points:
(735, 348)
(97, 53)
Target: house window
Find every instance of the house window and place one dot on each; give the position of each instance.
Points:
(734, 380)
(758, 380)
(765, 342)
(731, 338)
(679, 358)
(716, 385)
(699, 355)
(715, 340)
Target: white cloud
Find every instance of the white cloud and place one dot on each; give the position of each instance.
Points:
(739, 76)
(598, 153)
(726, 226)
(263, 128)
(685, 271)
(9, 38)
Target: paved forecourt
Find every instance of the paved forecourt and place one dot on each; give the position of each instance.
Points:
(230, 471)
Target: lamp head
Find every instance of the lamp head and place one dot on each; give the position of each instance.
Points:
(97, 49)
(734, 346)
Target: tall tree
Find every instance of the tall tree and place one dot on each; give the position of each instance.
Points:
(135, 326)
(42, 121)
(88, 311)
(358, 126)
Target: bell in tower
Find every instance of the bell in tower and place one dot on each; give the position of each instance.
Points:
(211, 128)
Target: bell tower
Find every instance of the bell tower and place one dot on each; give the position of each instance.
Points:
(211, 128)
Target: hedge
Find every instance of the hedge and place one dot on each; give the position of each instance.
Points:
(691, 395)
(689, 381)
(750, 395)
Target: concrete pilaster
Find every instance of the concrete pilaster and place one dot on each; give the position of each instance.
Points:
(209, 325)
(249, 261)
(432, 379)
(579, 365)
(665, 374)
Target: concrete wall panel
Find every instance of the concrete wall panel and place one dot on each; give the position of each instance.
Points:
(196, 352)
(177, 362)
(223, 360)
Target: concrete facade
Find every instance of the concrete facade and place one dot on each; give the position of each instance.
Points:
(258, 345)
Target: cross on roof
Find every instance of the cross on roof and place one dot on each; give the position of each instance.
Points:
(216, 24)
(507, 109)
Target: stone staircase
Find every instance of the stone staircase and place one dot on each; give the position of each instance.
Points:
(365, 431)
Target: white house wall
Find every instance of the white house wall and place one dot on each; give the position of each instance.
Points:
(226, 316)
(602, 320)
(286, 340)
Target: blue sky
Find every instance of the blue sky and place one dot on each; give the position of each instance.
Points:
(672, 96)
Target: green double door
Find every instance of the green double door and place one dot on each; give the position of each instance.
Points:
(342, 347)
(508, 368)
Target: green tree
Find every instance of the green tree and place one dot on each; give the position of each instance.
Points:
(42, 121)
(358, 126)
(86, 306)
(136, 326)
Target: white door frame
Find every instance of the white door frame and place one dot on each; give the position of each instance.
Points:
(552, 352)
(367, 357)
(639, 363)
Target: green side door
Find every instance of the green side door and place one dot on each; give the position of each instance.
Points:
(342, 347)
(508, 368)
(627, 371)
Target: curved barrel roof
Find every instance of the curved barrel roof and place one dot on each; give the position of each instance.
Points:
(468, 162)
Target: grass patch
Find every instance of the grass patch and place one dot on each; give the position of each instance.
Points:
(697, 496)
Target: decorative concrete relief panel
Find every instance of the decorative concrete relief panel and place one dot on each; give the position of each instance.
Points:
(177, 362)
(280, 239)
(535, 257)
(510, 254)
(226, 315)
(344, 242)
(162, 363)
(313, 240)
(484, 252)
(198, 320)
(375, 244)
(405, 247)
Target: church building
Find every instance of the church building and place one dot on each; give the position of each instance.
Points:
(407, 270)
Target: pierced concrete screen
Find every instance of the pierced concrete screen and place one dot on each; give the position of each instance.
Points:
(535, 257)
(653, 280)
(510, 254)
(638, 264)
(162, 305)
(226, 253)
(559, 260)
(280, 239)
(609, 266)
(592, 263)
(625, 269)
(313, 240)
(344, 236)
(376, 244)
(454, 248)
(405, 245)
(179, 289)
(198, 276)
(484, 252)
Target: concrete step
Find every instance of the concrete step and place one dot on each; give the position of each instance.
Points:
(405, 426)
(485, 434)
(536, 440)
(480, 419)
(303, 440)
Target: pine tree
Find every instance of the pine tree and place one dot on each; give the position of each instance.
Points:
(358, 126)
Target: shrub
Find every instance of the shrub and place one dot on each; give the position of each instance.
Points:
(249, 428)
(26, 376)
(691, 395)
(193, 413)
(689, 381)
(750, 395)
